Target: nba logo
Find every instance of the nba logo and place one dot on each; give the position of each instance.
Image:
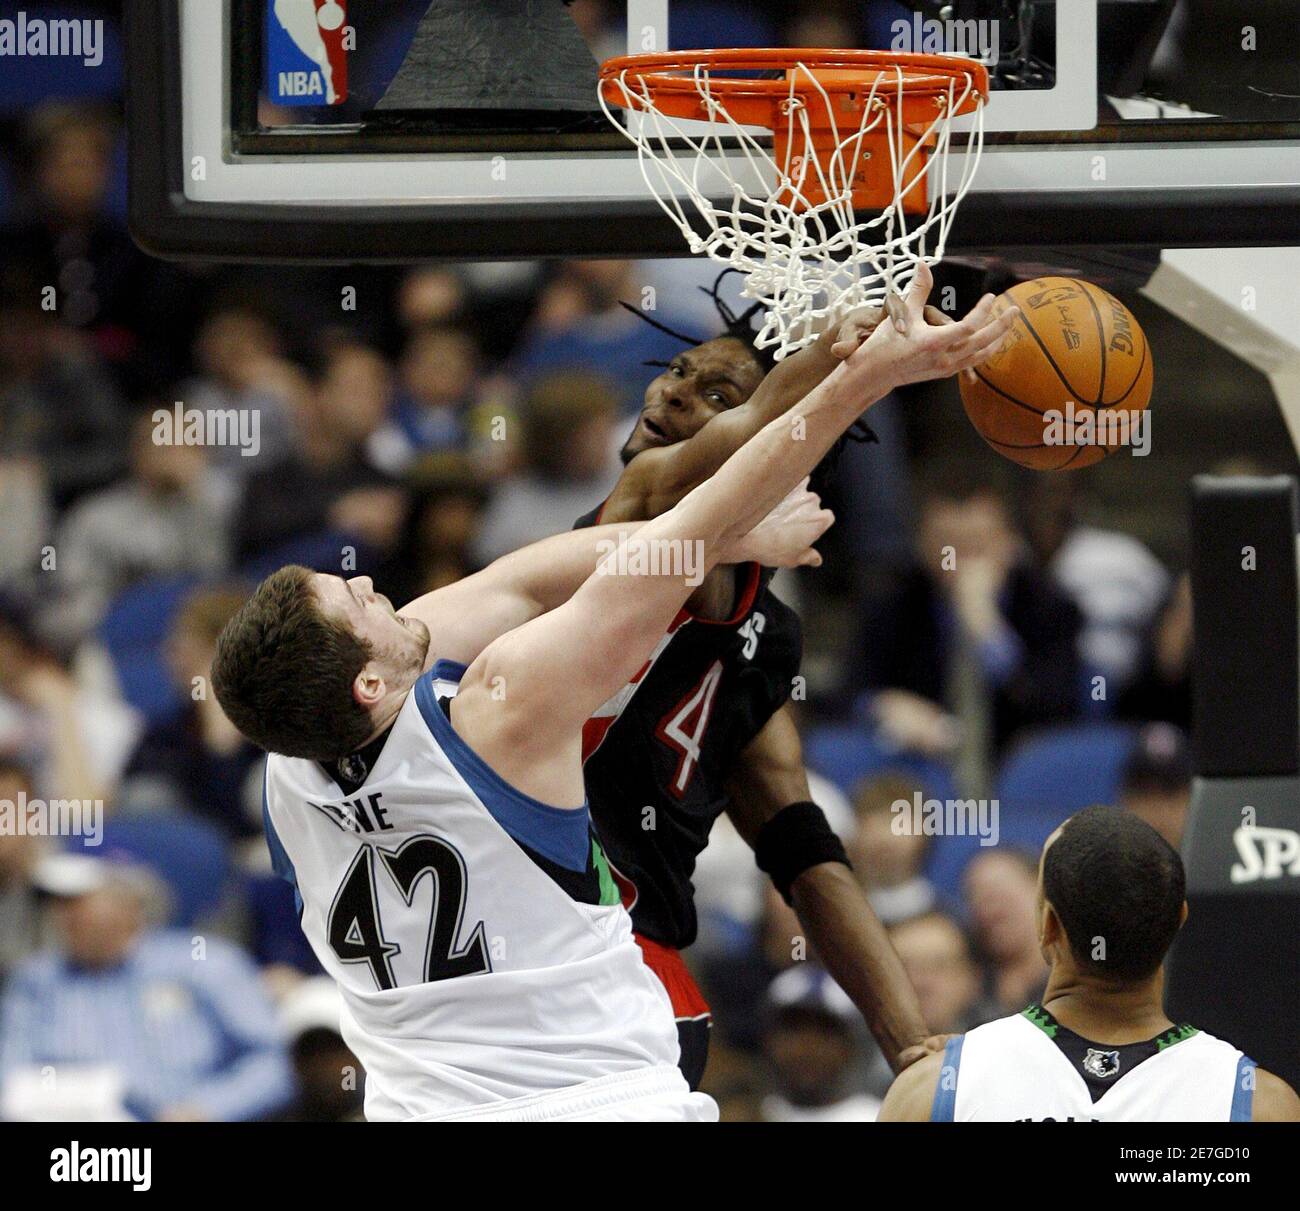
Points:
(306, 52)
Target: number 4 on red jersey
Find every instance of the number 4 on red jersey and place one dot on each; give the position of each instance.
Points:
(682, 729)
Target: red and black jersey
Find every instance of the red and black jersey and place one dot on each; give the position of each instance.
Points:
(658, 754)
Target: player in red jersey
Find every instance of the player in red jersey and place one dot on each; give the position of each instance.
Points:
(705, 727)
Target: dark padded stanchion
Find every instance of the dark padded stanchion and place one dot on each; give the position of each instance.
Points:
(1235, 968)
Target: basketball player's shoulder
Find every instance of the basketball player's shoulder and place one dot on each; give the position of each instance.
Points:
(911, 1097)
(1274, 1101)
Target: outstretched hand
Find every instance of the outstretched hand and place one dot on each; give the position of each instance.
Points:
(859, 324)
(784, 538)
(920, 342)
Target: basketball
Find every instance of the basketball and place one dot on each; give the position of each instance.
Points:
(1069, 383)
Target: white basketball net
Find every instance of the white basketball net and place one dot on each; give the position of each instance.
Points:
(805, 261)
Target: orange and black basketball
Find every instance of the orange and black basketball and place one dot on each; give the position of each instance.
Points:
(1072, 376)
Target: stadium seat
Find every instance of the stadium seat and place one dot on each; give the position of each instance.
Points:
(1047, 776)
(848, 752)
(133, 631)
(1051, 774)
(188, 854)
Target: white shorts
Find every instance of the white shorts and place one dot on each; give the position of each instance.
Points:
(646, 1095)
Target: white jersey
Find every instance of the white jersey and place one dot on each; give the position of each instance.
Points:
(1016, 1070)
(476, 933)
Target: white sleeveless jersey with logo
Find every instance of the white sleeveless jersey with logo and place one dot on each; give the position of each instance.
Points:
(470, 976)
(1010, 1070)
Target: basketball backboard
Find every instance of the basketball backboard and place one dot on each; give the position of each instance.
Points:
(408, 129)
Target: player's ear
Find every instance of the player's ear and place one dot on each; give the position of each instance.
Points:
(368, 687)
(1049, 928)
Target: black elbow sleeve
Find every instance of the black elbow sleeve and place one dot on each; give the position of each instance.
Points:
(795, 839)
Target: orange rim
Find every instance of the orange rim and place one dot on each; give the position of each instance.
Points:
(917, 76)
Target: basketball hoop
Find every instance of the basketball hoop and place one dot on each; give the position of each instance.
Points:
(852, 131)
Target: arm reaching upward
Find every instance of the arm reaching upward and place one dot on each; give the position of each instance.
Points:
(523, 702)
(463, 618)
(657, 478)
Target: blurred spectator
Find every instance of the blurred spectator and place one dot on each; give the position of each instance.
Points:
(829, 24)
(140, 1023)
(168, 517)
(331, 1081)
(242, 369)
(580, 325)
(889, 863)
(937, 957)
(448, 499)
(21, 923)
(198, 761)
(442, 400)
(811, 1046)
(1115, 581)
(439, 389)
(25, 507)
(734, 981)
(104, 286)
(1162, 688)
(73, 738)
(329, 483)
(1157, 782)
(59, 409)
(973, 642)
(570, 465)
(1001, 887)
(429, 296)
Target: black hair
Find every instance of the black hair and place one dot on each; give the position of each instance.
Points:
(738, 326)
(1111, 878)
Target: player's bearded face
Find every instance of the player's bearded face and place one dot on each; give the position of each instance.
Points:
(693, 388)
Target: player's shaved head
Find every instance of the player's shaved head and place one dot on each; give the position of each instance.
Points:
(1117, 887)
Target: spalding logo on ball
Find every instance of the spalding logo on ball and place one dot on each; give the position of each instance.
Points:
(1069, 382)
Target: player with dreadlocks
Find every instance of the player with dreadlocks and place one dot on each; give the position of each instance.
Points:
(705, 727)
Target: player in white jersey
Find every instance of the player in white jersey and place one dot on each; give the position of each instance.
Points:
(427, 790)
(1099, 1047)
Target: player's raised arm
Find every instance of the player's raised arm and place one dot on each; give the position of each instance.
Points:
(470, 614)
(769, 786)
(657, 478)
(524, 701)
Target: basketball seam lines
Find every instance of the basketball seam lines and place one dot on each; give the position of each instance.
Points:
(1101, 340)
(1065, 382)
(1010, 398)
(1138, 375)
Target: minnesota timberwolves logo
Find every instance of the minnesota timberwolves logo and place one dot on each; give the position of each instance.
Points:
(1101, 1064)
(307, 44)
(353, 768)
